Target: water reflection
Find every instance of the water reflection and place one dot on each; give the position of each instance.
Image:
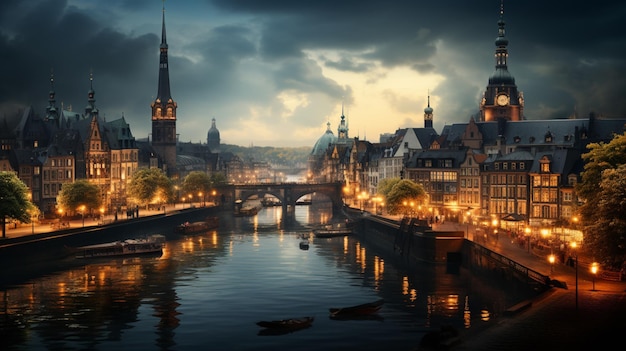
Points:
(209, 289)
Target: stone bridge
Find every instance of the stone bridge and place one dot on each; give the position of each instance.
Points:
(287, 194)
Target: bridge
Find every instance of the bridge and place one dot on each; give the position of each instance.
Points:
(287, 194)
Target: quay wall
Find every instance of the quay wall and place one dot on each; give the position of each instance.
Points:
(32, 255)
(417, 243)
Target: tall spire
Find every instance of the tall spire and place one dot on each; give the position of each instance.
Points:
(91, 97)
(163, 94)
(428, 114)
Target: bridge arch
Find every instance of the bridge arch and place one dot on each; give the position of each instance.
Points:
(289, 193)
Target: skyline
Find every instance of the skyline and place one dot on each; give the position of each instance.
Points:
(274, 73)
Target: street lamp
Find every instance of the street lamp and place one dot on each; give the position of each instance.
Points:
(201, 199)
(527, 234)
(594, 271)
(573, 247)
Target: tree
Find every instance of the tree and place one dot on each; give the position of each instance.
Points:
(603, 190)
(150, 186)
(14, 202)
(79, 196)
(197, 182)
(398, 193)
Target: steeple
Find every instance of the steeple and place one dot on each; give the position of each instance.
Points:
(163, 95)
(501, 100)
(91, 98)
(342, 130)
(164, 137)
(52, 114)
(428, 114)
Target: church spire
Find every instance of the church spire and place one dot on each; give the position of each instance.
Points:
(428, 114)
(164, 137)
(163, 94)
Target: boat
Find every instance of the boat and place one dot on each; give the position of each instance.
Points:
(197, 227)
(284, 326)
(329, 231)
(365, 309)
(304, 245)
(270, 201)
(142, 246)
(247, 211)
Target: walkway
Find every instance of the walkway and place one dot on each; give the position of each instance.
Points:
(587, 315)
(23, 230)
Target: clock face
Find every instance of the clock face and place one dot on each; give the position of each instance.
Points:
(502, 100)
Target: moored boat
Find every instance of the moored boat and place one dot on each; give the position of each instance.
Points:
(197, 227)
(332, 230)
(365, 309)
(150, 245)
(285, 325)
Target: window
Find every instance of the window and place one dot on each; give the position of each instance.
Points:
(545, 167)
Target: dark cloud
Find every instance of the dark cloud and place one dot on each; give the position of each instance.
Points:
(231, 59)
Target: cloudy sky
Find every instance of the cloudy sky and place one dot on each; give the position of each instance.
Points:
(274, 72)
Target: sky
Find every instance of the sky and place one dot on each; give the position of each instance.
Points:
(275, 72)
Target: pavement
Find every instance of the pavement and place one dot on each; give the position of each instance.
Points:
(588, 314)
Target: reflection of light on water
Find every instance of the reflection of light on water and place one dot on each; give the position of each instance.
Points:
(484, 315)
(467, 314)
(379, 268)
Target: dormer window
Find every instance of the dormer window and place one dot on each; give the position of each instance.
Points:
(548, 137)
(517, 139)
(531, 139)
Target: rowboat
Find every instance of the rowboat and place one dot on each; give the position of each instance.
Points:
(284, 326)
(365, 309)
(198, 227)
(150, 245)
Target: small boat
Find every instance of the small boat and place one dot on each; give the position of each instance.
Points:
(330, 230)
(150, 245)
(197, 227)
(284, 326)
(365, 309)
(304, 245)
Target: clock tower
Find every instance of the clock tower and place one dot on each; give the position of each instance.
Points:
(164, 113)
(501, 99)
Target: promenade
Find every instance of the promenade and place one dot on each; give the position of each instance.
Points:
(589, 314)
(25, 230)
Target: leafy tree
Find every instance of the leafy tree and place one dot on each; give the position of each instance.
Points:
(397, 192)
(603, 190)
(14, 202)
(197, 182)
(80, 193)
(218, 179)
(150, 186)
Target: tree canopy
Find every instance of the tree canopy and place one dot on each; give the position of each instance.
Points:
(150, 186)
(14, 201)
(400, 192)
(80, 193)
(603, 191)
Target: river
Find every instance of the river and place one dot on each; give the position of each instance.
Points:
(207, 291)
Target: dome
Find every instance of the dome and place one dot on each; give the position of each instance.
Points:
(328, 138)
(501, 76)
(213, 138)
(428, 110)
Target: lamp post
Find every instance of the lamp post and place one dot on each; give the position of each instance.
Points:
(573, 247)
(594, 271)
(527, 234)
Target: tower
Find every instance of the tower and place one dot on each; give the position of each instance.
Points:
(428, 115)
(501, 100)
(213, 138)
(164, 113)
